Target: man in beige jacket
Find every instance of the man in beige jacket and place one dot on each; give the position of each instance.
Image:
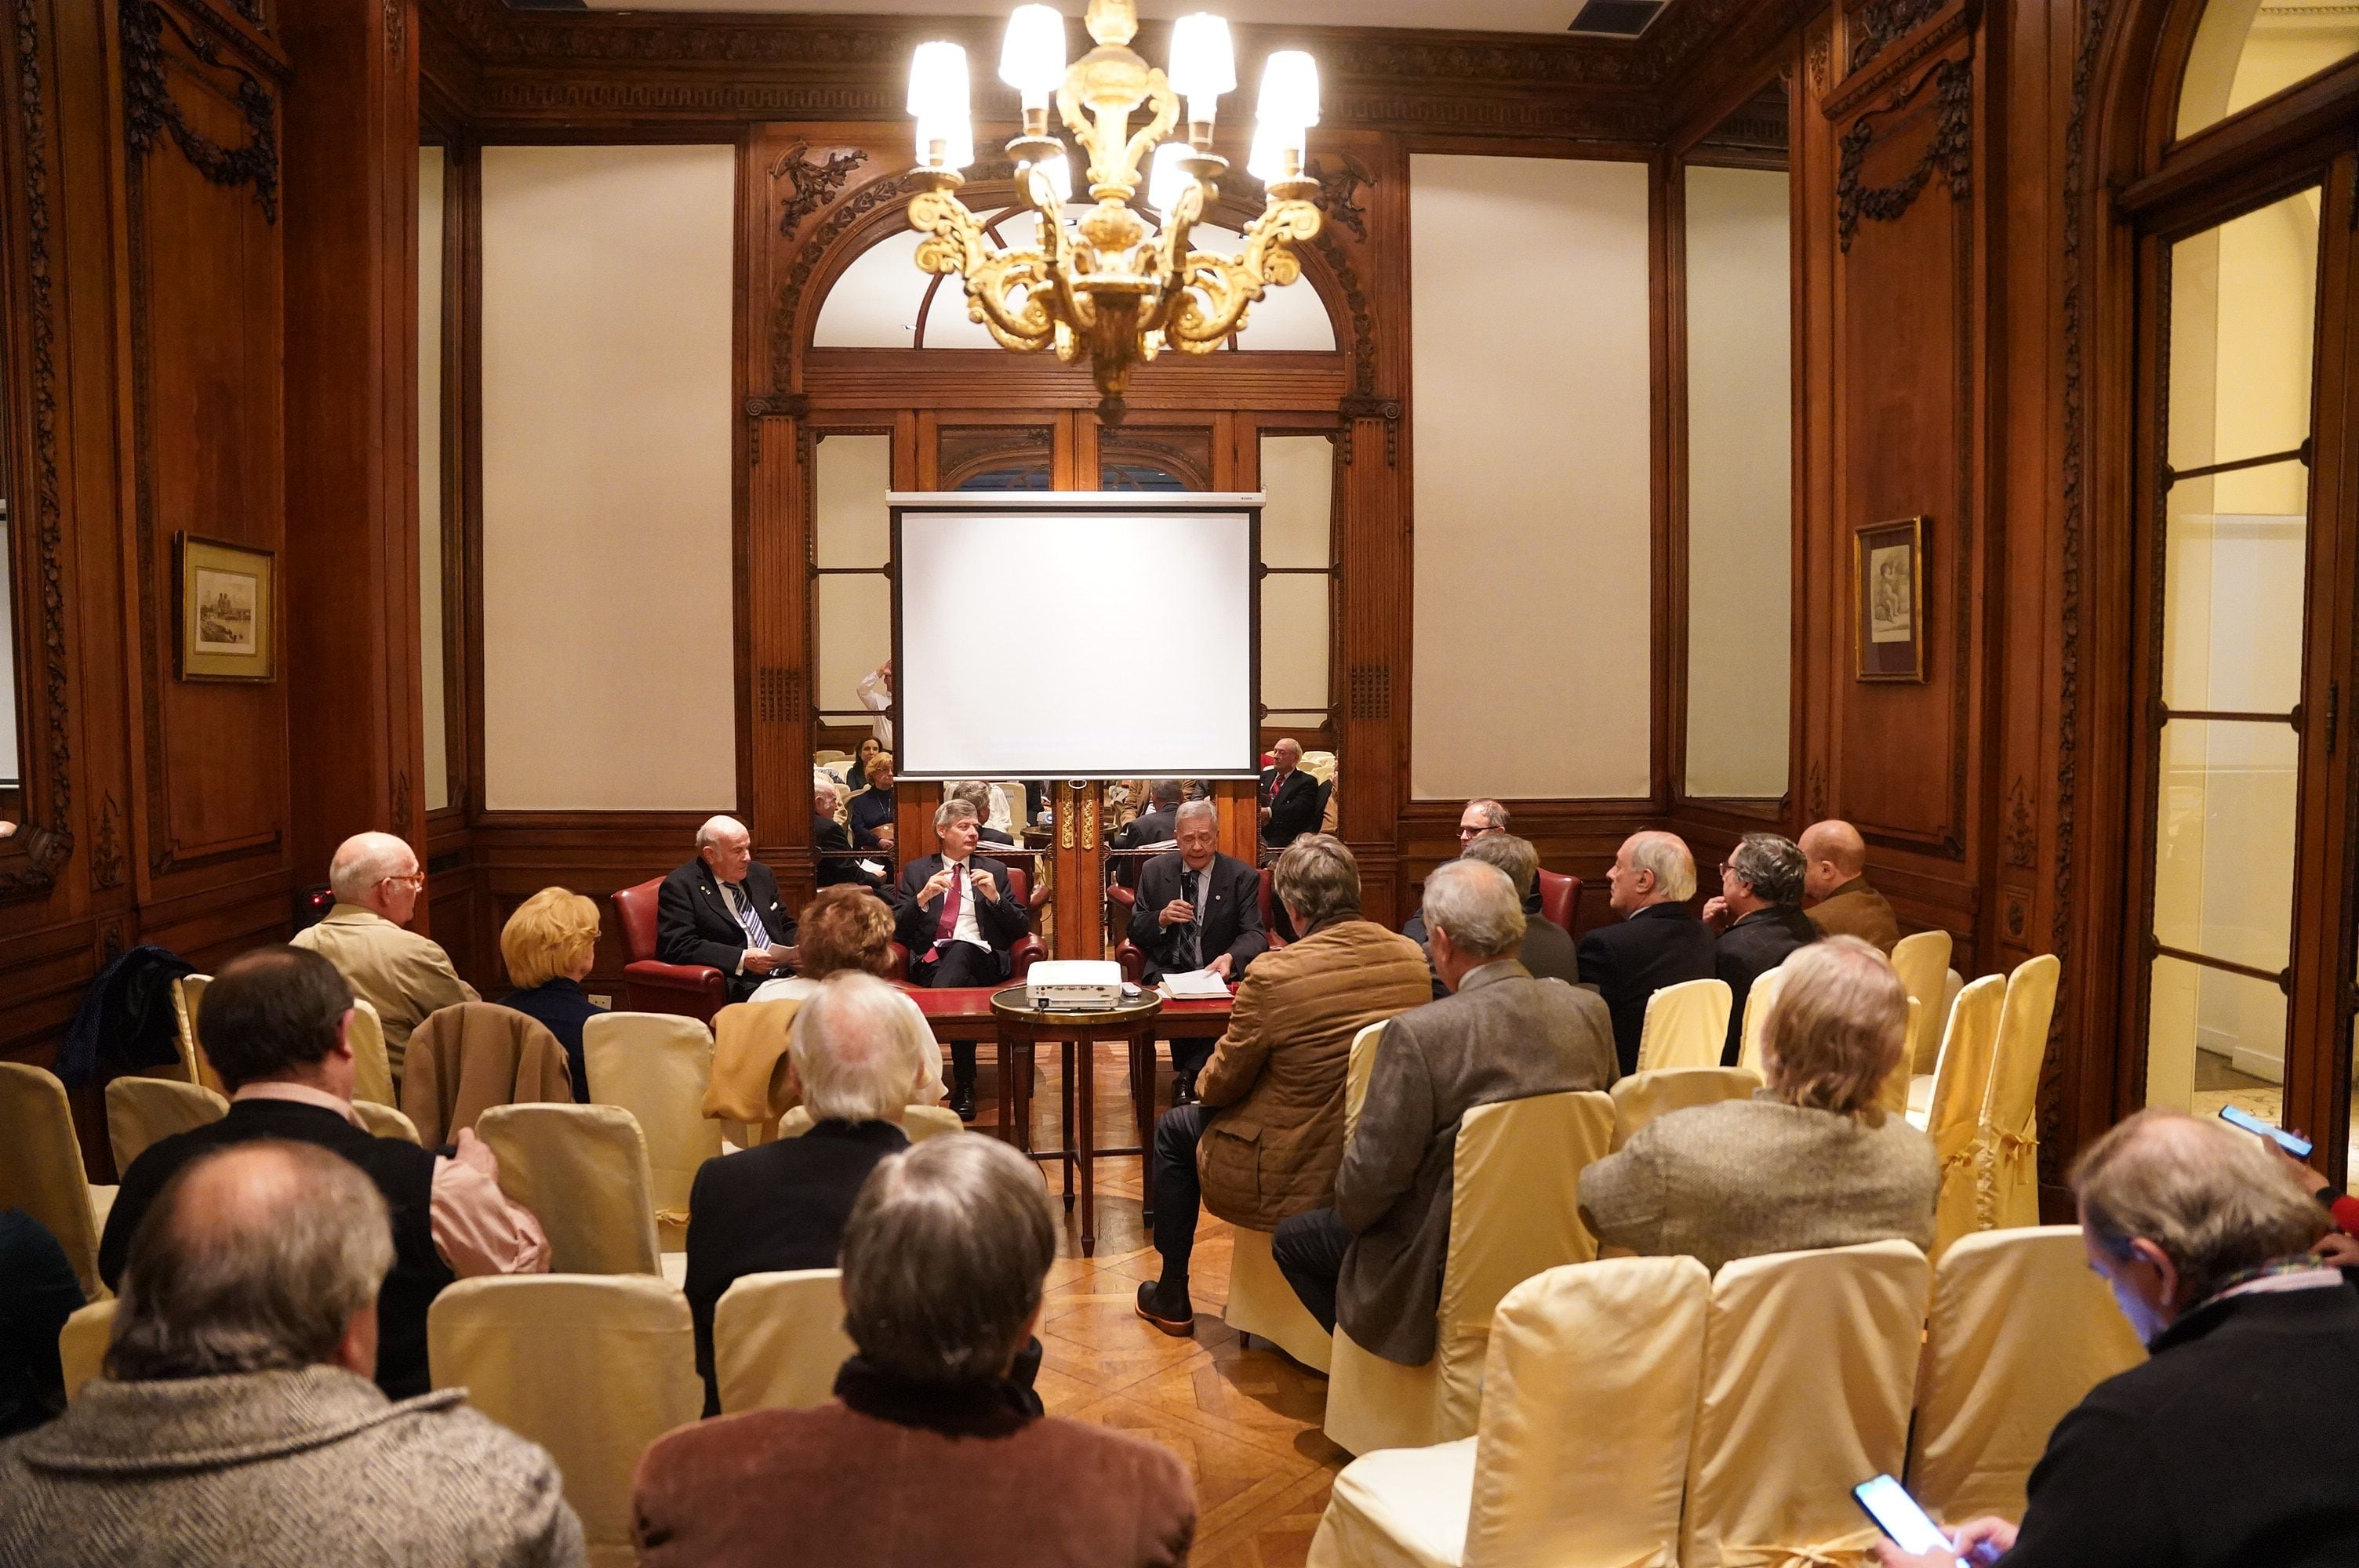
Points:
(404, 975)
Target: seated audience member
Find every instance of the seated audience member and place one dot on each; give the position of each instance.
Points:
(1151, 829)
(1197, 909)
(549, 946)
(2340, 1246)
(721, 910)
(1548, 950)
(2233, 1444)
(236, 1424)
(1263, 1143)
(847, 930)
(404, 975)
(1290, 798)
(930, 1453)
(1373, 1262)
(839, 863)
(38, 1293)
(1810, 1161)
(274, 1022)
(1834, 879)
(869, 812)
(958, 919)
(982, 796)
(1759, 917)
(858, 1056)
(1657, 942)
(1330, 805)
(869, 746)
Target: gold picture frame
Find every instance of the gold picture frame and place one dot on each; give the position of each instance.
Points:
(1888, 592)
(227, 629)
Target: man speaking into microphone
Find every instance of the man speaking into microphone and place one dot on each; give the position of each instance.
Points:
(957, 918)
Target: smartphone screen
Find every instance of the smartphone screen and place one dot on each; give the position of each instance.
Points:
(1896, 1514)
(2297, 1147)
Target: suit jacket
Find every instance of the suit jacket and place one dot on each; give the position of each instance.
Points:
(1145, 831)
(474, 1056)
(833, 842)
(693, 925)
(1003, 921)
(1661, 944)
(1857, 910)
(401, 974)
(1750, 949)
(1547, 946)
(781, 1205)
(867, 811)
(1504, 1035)
(1293, 806)
(1231, 913)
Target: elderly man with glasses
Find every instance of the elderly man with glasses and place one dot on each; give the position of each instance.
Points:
(403, 975)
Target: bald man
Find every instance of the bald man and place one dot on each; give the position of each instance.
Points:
(1290, 798)
(721, 910)
(403, 975)
(1834, 880)
(1657, 942)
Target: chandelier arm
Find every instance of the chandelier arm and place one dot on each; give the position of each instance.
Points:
(1164, 105)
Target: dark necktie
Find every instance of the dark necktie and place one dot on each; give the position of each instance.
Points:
(742, 904)
(1192, 936)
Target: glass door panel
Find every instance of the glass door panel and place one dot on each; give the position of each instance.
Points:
(2223, 841)
(996, 456)
(2215, 1038)
(1150, 459)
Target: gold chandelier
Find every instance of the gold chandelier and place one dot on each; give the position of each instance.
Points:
(1105, 287)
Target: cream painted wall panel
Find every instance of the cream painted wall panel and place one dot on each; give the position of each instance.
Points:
(608, 288)
(430, 473)
(1530, 366)
(851, 526)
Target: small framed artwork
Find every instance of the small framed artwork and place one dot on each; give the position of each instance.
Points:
(229, 623)
(1887, 590)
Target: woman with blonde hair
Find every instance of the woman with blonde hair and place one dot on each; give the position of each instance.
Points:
(549, 946)
(1810, 1161)
(869, 812)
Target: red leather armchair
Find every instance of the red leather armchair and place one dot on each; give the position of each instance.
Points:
(1134, 961)
(1560, 898)
(1026, 952)
(649, 985)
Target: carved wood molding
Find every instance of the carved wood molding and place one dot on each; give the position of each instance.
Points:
(812, 182)
(1878, 24)
(1939, 27)
(1948, 152)
(149, 112)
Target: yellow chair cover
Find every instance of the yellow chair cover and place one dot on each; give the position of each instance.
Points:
(1356, 1070)
(2021, 1329)
(384, 1121)
(1810, 1360)
(1515, 1212)
(749, 1062)
(1642, 1097)
(1953, 1118)
(1922, 960)
(657, 1066)
(1758, 1001)
(777, 1339)
(371, 1068)
(1589, 1405)
(82, 1344)
(593, 1368)
(1261, 1301)
(42, 1169)
(141, 1110)
(920, 1121)
(582, 1171)
(1892, 1095)
(2007, 1186)
(188, 993)
(1687, 1025)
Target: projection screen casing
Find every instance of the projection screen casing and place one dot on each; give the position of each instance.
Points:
(1075, 635)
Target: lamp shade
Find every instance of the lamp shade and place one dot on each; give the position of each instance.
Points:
(1203, 66)
(1032, 56)
(1058, 172)
(1290, 90)
(938, 97)
(1267, 162)
(1166, 180)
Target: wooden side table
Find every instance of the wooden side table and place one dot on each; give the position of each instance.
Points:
(1022, 1028)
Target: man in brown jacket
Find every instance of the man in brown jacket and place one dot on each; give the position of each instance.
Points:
(1834, 879)
(1376, 1259)
(1264, 1142)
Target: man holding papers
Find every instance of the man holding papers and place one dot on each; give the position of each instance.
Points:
(722, 909)
(1197, 910)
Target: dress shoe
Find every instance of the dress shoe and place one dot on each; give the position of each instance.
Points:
(1176, 1319)
(962, 1098)
(1183, 1090)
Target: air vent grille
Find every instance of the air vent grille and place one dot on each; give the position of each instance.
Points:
(1616, 18)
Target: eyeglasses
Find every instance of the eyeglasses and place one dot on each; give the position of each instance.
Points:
(1464, 832)
(415, 880)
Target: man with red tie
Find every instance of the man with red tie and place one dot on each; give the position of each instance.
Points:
(958, 917)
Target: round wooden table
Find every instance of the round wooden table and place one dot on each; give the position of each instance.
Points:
(1023, 1027)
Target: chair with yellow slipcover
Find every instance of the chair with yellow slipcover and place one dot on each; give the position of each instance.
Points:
(371, 1068)
(1922, 959)
(188, 994)
(1687, 1025)
(657, 1067)
(2006, 1190)
(384, 1121)
(582, 1171)
(82, 1344)
(141, 1110)
(778, 1340)
(1892, 1095)
(1809, 1365)
(748, 1082)
(918, 1121)
(2020, 1330)
(1588, 1410)
(1757, 1001)
(592, 1368)
(1642, 1097)
(1357, 1068)
(1953, 1116)
(1514, 1211)
(42, 1169)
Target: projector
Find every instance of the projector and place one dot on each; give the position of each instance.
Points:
(1073, 985)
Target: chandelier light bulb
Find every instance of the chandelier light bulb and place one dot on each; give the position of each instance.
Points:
(1166, 180)
(938, 97)
(1058, 172)
(1032, 56)
(1289, 92)
(1203, 65)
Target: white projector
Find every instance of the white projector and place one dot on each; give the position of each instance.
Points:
(1073, 985)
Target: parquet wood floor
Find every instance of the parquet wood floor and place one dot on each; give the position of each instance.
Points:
(1245, 1422)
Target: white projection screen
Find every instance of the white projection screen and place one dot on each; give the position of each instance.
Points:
(1075, 635)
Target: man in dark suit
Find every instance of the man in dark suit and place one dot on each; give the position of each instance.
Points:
(721, 909)
(1198, 909)
(1657, 942)
(1759, 917)
(977, 794)
(1547, 950)
(958, 916)
(1290, 798)
(832, 842)
(1158, 826)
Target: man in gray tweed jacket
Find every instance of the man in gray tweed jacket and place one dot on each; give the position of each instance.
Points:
(237, 1424)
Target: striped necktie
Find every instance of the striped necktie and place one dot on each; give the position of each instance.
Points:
(742, 905)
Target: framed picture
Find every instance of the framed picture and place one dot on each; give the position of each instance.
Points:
(228, 627)
(1888, 590)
